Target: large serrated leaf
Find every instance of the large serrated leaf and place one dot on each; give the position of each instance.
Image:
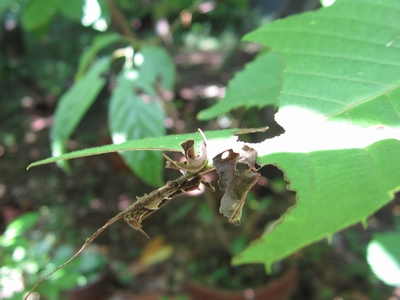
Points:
(257, 85)
(74, 104)
(340, 108)
(132, 118)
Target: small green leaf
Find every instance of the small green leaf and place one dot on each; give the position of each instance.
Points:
(72, 9)
(383, 255)
(4, 4)
(74, 104)
(154, 63)
(21, 225)
(257, 85)
(132, 118)
(92, 262)
(100, 42)
(38, 14)
(136, 112)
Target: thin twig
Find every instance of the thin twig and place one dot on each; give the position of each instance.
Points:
(156, 198)
(119, 19)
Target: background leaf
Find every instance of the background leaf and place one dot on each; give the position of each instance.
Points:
(21, 224)
(383, 255)
(257, 85)
(100, 42)
(72, 9)
(340, 108)
(74, 104)
(136, 110)
(38, 14)
(132, 118)
(4, 4)
(154, 63)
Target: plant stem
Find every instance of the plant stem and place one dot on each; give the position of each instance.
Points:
(121, 23)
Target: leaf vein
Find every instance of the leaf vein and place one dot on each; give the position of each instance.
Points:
(338, 77)
(391, 63)
(314, 97)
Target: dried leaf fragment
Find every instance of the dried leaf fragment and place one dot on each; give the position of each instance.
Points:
(194, 162)
(236, 185)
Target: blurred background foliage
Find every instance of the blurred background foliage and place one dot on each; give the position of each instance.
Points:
(47, 46)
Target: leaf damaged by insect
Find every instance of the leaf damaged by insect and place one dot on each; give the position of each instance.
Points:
(194, 162)
(235, 184)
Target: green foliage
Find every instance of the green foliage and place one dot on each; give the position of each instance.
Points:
(72, 9)
(257, 85)
(38, 14)
(99, 42)
(5, 4)
(132, 118)
(383, 255)
(339, 104)
(216, 142)
(22, 256)
(19, 226)
(339, 107)
(136, 111)
(74, 104)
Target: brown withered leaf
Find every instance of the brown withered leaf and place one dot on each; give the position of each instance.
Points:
(236, 185)
(248, 156)
(193, 161)
(251, 130)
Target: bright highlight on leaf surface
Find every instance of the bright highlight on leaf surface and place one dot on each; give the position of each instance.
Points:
(383, 255)
(340, 108)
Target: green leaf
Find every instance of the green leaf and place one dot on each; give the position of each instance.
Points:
(217, 141)
(132, 118)
(92, 262)
(21, 225)
(154, 63)
(100, 42)
(72, 9)
(38, 14)
(4, 4)
(383, 255)
(340, 108)
(48, 289)
(135, 111)
(74, 104)
(257, 85)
